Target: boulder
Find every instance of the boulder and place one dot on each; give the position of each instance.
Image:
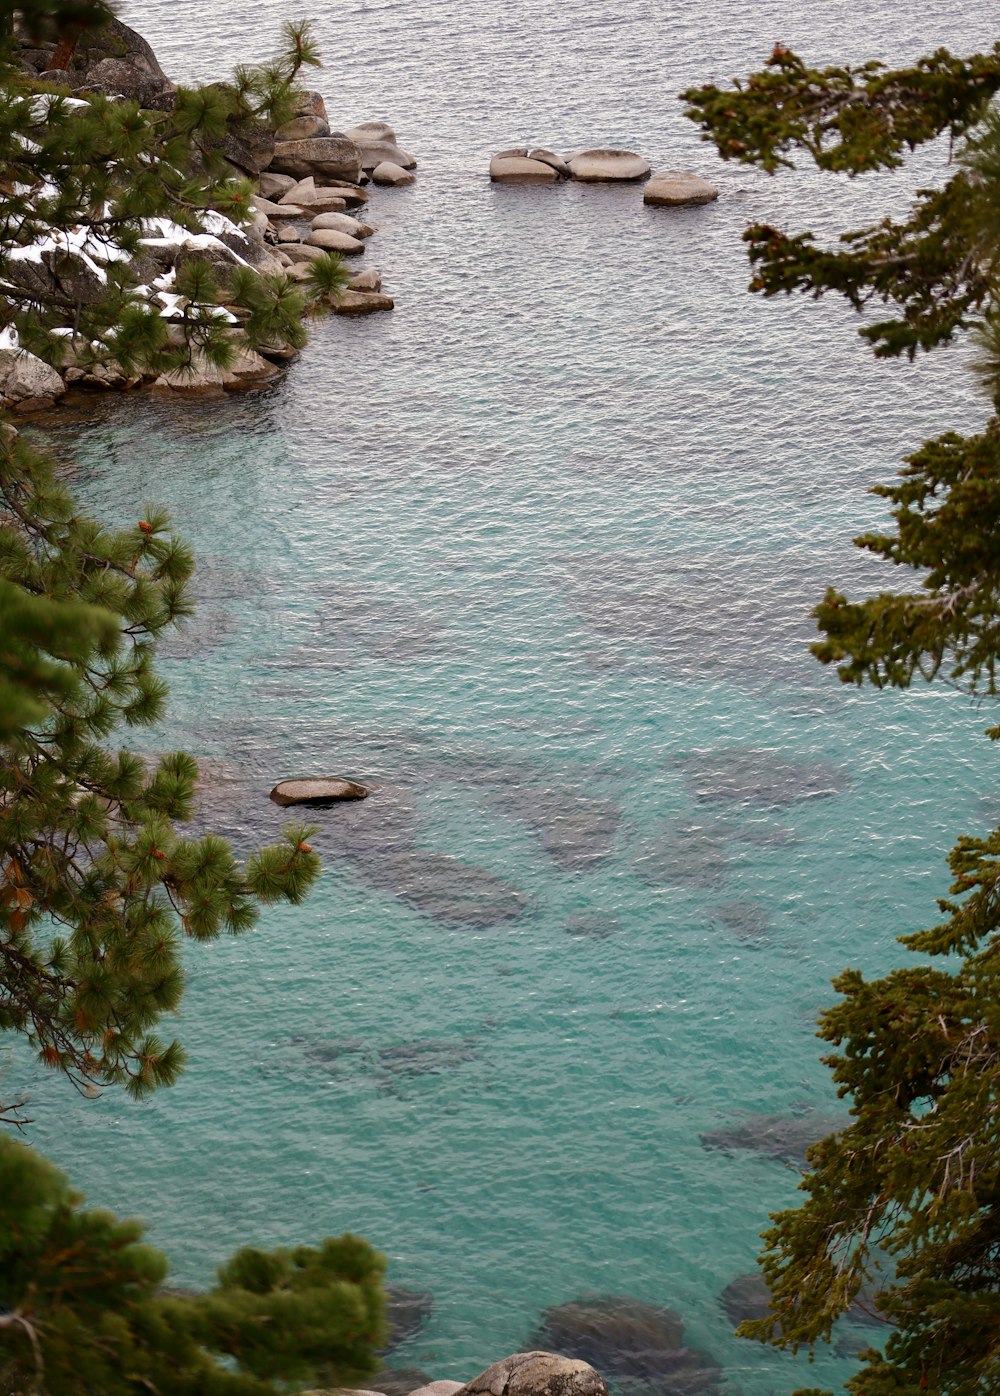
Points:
(299, 252)
(608, 166)
(115, 40)
(406, 1312)
(438, 1388)
(362, 302)
(332, 241)
(273, 210)
(674, 188)
(377, 142)
(341, 223)
(302, 128)
(122, 78)
(203, 379)
(547, 157)
(517, 152)
(536, 1374)
(272, 185)
(26, 382)
(368, 280)
(332, 155)
(309, 103)
(518, 169)
(287, 232)
(317, 790)
(391, 173)
(306, 196)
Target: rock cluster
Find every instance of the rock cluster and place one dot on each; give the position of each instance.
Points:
(308, 177)
(666, 188)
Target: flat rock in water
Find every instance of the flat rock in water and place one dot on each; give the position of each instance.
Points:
(390, 172)
(317, 790)
(518, 169)
(332, 241)
(608, 166)
(301, 252)
(675, 188)
(362, 302)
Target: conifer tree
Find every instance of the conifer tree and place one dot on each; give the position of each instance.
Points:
(905, 1201)
(99, 883)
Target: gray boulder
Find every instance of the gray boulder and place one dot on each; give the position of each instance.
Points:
(121, 78)
(674, 188)
(303, 128)
(26, 382)
(390, 173)
(608, 166)
(377, 142)
(332, 241)
(548, 157)
(368, 280)
(334, 156)
(518, 169)
(362, 302)
(272, 185)
(317, 790)
(536, 1374)
(341, 223)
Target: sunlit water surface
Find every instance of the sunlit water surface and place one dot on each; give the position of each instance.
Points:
(534, 555)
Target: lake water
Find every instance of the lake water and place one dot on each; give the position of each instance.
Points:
(535, 555)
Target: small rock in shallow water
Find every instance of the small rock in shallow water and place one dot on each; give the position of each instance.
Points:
(361, 303)
(389, 173)
(317, 790)
(332, 241)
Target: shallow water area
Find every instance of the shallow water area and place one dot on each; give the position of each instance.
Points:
(534, 556)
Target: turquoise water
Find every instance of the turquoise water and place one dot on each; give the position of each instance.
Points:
(534, 555)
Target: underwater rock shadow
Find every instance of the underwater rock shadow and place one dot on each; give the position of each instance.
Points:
(784, 1138)
(757, 776)
(637, 1347)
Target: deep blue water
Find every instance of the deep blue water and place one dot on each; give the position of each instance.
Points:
(535, 555)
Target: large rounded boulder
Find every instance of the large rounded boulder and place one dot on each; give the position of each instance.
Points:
(608, 166)
(317, 790)
(536, 1374)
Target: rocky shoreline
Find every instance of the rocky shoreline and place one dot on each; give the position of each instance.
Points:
(311, 188)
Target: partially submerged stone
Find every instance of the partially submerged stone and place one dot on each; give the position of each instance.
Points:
(675, 188)
(330, 240)
(352, 302)
(332, 155)
(388, 172)
(518, 169)
(549, 157)
(317, 790)
(608, 166)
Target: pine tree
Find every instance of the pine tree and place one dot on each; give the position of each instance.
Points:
(905, 1201)
(99, 886)
(84, 1312)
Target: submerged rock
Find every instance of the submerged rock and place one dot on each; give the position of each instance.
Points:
(745, 920)
(638, 1346)
(745, 1298)
(317, 790)
(591, 926)
(780, 1137)
(754, 775)
(686, 855)
(406, 1312)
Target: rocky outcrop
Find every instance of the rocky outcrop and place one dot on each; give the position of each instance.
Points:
(608, 166)
(317, 790)
(675, 188)
(26, 383)
(536, 1374)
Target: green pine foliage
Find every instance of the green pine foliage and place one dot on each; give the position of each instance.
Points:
(904, 1203)
(98, 887)
(83, 1307)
